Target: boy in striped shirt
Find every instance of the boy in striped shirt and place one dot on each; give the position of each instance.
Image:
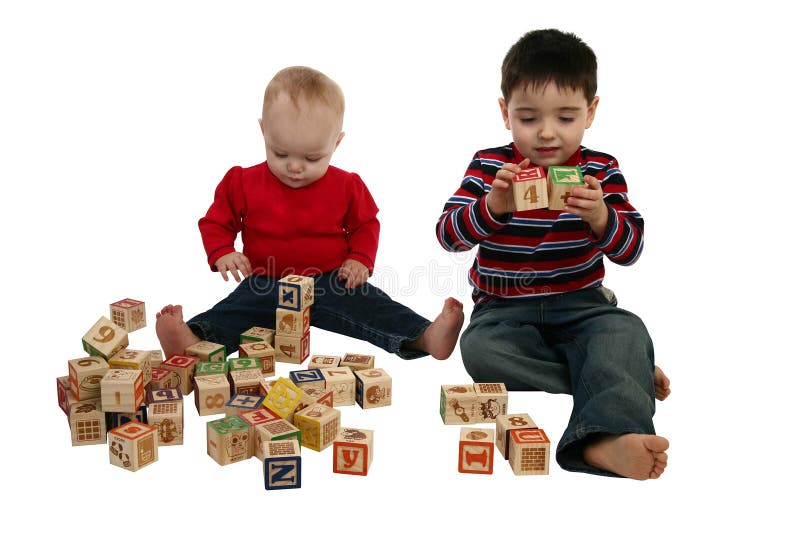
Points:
(542, 320)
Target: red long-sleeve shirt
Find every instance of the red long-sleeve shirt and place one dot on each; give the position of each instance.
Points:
(307, 230)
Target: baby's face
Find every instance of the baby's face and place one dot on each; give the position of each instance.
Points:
(300, 142)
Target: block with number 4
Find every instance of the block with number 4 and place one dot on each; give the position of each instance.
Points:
(530, 189)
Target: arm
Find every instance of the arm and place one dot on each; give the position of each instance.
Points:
(363, 229)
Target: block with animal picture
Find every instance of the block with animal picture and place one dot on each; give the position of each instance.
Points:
(352, 451)
(318, 425)
(104, 339)
(122, 390)
(530, 189)
(529, 451)
(85, 375)
(211, 392)
(184, 369)
(246, 381)
(295, 292)
(358, 362)
(323, 362)
(292, 323)
(128, 314)
(373, 388)
(87, 423)
(133, 446)
(504, 424)
(561, 180)
(167, 418)
(476, 451)
(133, 359)
(261, 351)
(229, 440)
(240, 402)
(492, 400)
(257, 333)
(342, 382)
(207, 351)
(292, 349)
(273, 431)
(282, 464)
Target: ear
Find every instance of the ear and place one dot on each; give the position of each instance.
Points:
(338, 140)
(504, 112)
(261, 125)
(592, 110)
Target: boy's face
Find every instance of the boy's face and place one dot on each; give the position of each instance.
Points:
(300, 142)
(547, 124)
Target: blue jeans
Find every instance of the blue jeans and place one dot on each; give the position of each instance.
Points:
(578, 343)
(365, 313)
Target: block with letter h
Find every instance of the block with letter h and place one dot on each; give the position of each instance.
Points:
(352, 451)
(282, 464)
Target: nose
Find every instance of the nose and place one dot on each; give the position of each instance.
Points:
(294, 167)
(547, 131)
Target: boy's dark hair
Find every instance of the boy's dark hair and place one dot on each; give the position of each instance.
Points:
(541, 56)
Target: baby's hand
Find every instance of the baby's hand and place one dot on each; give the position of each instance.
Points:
(587, 203)
(500, 199)
(235, 262)
(354, 272)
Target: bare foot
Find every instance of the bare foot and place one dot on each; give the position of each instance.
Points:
(440, 338)
(636, 456)
(662, 384)
(173, 333)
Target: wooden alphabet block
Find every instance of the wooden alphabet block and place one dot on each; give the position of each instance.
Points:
(291, 323)
(259, 416)
(164, 395)
(167, 418)
(295, 292)
(318, 395)
(211, 368)
(530, 189)
(242, 364)
(133, 446)
(184, 368)
(211, 393)
(128, 314)
(342, 382)
(163, 378)
(239, 403)
(283, 398)
(261, 351)
(561, 180)
(352, 451)
(207, 351)
(115, 419)
(319, 426)
(492, 399)
(308, 377)
(266, 385)
(358, 362)
(104, 339)
(529, 451)
(476, 451)
(85, 375)
(156, 357)
(373, 388)
(506, 423)
(122, 390)
(292, 349)
(257, 333)
(323, 362)
(246, 381)
(282, 464)
(273, 431)
(87, 423)
(458, 404)
(229, 440)
(65, 396)
(133, 359)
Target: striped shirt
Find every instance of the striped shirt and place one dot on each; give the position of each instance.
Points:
(538, 252)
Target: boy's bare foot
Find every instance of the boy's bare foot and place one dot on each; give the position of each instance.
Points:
(173, 333)
(636, 456)
(440, 338)
(662, 384)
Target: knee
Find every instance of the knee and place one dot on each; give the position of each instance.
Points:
(476, 347)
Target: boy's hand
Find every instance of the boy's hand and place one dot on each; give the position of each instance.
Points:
(587, 203)
(236, 263)
(500, 199)
(354, 272)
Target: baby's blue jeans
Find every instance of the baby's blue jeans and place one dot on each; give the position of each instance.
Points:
(578, 343)
(365, 313)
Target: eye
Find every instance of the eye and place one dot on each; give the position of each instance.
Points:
(566, 119)
(278, 154)
(527, 119)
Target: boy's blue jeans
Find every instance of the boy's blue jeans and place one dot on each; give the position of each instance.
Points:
(365, 313)
(578, 343)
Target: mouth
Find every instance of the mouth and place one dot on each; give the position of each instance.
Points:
(546, 150)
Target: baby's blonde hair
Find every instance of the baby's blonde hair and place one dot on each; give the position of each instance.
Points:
(304, 83)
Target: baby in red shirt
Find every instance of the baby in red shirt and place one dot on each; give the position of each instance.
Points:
(300, 215)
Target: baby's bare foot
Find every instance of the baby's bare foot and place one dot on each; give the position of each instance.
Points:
(662, 384)
(440, 338)
(173, 333)
(636, 456)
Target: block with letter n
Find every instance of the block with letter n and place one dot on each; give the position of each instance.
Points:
(476, 451)
(561, 180)
(295, 292)
(352, 451)
(282, 464)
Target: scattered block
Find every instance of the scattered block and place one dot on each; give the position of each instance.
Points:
(115, 419)
(273, 431)
(257, 333)
(319, 426)
(259, 416)
(373, 388)
(308, 377)
(241, 364)
(292, 349)
(104, 339)
(282, 464)
(229, 440)
(156, 357)
(295, 292)
(261, 351)
(530, 189)
(207, 351)
(317, 395)
(358, 362)
(246, 381)
(239, 403)
(506, 423)
(561, 180)
(529, 451)
(163, 378)
(211, 368)
(128, 314)
(133, 359)
(352, 451)
(283, 398)
(323, 362)
(65, 396)
(291, 323)
(87, 423)
(85, 375)
(184, 368)
(211, 394)
(165, 412)
(132, 446)
(458, 404)
(492, 400)
(164, 395)
(476, 451)
(122, 390)
(342, 382)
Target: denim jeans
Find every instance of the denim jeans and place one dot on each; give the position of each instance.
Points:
(365, 313)
(578, 343)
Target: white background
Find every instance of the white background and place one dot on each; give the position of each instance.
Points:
(118, 122)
